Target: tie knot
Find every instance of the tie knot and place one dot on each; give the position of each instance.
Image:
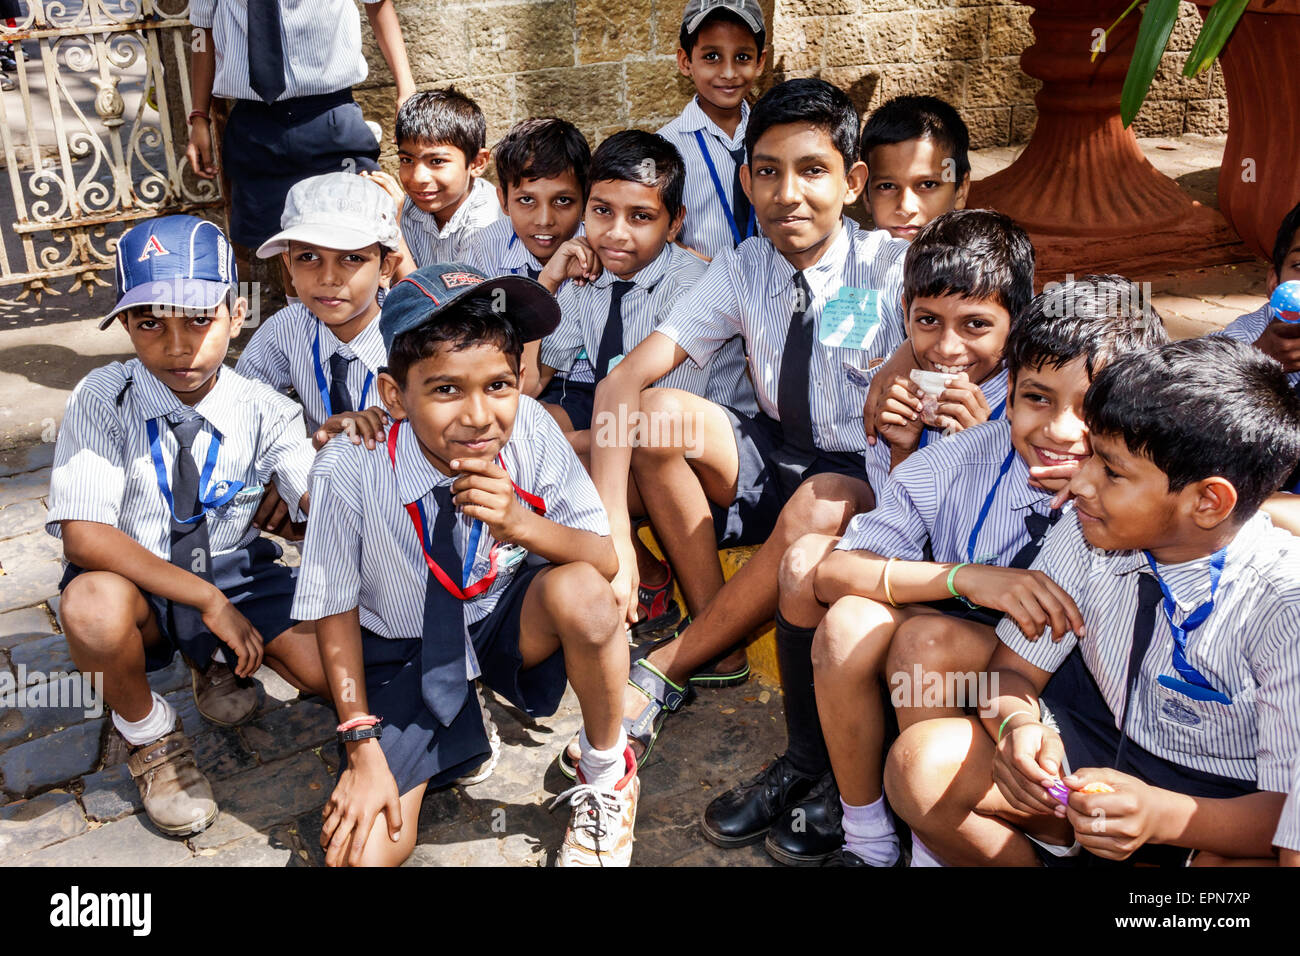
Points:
(442, 498)
(186, 431)
(340, 361)
(738, 155)
(622, 287)
(1149, 593)
(802, 293)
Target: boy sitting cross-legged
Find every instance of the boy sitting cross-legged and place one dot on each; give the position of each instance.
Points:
(811, 295)
(158, 471)
(966, 280)
(914, 589)
(1169, 722)
(472, 545)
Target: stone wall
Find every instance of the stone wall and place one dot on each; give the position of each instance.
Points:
(609, 64)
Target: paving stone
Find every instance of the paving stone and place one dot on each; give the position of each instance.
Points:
(273, 849)
(19, 724)
(221, 753)
(128, 842)
(32, 570)
(39, 822)
(21, 517)
(278, 690)
(300, 726)
(269, 795)
(45, 656)
(29, 484)
(52, 759)
(110, 794)
(172, 677)
(26, 624)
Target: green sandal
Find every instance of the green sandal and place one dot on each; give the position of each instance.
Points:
(663, 697)
(708, 675)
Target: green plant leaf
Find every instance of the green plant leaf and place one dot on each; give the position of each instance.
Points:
(1153, 36)
(1218, 26)
(1096, 52)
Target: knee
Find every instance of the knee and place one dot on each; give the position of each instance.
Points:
(581, 604)
(822, 505)
(922, 764)
(846, 642)
(95, 612)
(799, 565)
(919, 640)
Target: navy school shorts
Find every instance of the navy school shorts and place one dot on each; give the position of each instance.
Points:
(576, 398)
(267, 148)
(417, 747)
(1075, 704)
(769, 472)
(259, 586)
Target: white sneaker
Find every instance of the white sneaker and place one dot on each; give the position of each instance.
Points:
(494, 741)
(600, 830)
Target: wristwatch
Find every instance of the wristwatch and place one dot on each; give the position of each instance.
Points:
(360, 733)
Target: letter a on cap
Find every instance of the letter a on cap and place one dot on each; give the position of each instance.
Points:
(153, 248)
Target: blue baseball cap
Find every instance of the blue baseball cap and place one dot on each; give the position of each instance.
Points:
(178, 261)
(425, 293)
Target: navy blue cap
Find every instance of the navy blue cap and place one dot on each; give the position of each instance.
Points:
(425, 293)
(178, 261)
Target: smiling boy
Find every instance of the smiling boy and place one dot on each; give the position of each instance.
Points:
(1182, 695)
(741, 478)
(442, 155)
(722, 53)
(472, 545)
(161, 553)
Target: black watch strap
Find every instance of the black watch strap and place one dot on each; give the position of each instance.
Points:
(360, 733)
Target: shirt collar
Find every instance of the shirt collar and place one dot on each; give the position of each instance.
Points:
(693, 118)
(479, 193)
(367, 345)
(156, 400)
(515, 255)
(415, 476)
(780, 272)
(648, 277)
(1020, 493)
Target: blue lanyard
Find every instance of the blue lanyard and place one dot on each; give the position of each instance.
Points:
(984, 509)
(722, 195)
(1192, 622)
(997, 413)
(324, 387)
(206, 499)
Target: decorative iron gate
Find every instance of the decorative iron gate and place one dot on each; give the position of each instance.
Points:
(93, 136)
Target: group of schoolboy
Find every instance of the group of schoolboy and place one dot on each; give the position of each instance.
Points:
(496, 390)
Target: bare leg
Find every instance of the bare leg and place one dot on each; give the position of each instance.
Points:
(295, 657)
(380, 850)
(947, 649)
(939, 777)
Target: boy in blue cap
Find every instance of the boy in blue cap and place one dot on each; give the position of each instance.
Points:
(472, 545)
(158, 470)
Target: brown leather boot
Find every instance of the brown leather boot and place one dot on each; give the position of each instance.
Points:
(221, 697)
(176, 795)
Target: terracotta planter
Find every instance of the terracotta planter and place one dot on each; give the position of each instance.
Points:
(1260, 177)
(1082, 188)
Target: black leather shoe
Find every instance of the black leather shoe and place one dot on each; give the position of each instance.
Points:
(808, 833)
(846, 857)
(743, 814)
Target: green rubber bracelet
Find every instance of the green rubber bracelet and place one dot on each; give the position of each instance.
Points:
(952, 574)
(1003, 726)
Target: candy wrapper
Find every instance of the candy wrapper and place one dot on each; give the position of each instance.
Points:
(931, 385)
(1061, 792)
(1284, 303)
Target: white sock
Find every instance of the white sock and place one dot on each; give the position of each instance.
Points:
(158, 723)
(869, 832)
(921, 855)
(602, 768)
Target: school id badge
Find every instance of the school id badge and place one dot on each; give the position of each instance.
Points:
(850, 319)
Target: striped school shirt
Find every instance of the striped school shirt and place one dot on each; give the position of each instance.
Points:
(430, 243)
(877, 456)
(495, 250)
(1248, 328)
(321, 41)
(750, 291)
(103, 471)
(362, 550)
(280, 354)
(705, 228)
(1288, 827)
(935, 498)
(1246, 648)
(657, 289)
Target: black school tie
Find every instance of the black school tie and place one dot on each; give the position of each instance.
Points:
(532, 273)
(340, 397)
(443, 682)
(739, 200)
(611, 340)
(265, 52)
(191, 550)
(1144, 625)
(1037, 525)
(792, 386)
